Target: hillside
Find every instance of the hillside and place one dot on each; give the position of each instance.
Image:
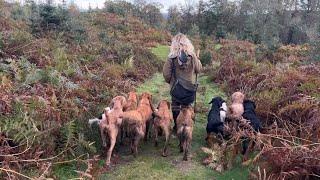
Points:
(56, 76)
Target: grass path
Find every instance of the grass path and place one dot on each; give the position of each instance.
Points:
(150, 164)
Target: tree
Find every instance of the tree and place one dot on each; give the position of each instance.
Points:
(187, 16)
(174, 20)
(34, 17)
(47, 17)
(152, 14)
(315, 53)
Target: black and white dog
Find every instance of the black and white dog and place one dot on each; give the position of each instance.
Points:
(100, 118)
(216, 116)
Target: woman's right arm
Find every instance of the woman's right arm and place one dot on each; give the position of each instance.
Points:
(198, 66)
(167, 70)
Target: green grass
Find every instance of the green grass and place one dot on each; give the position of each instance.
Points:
(66, 171)
(161, 51)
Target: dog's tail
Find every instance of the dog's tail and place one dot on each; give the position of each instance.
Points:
(185, 133)
(91, 121)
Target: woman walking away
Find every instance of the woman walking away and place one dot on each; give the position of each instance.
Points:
(180, 71)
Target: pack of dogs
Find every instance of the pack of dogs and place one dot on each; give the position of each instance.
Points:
(135, 118)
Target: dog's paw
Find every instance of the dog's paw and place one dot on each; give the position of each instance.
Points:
(185, 158)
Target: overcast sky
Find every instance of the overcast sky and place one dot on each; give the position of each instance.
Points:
(84, 4)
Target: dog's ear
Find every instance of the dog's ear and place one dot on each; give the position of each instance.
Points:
(123, 100)
(111, 104)
(254, 105)
(135, 95)
(105, 118)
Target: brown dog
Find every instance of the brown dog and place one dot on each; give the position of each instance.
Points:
(162, 122)
(130, 105)
(131, 102)
(236, 109)
(110, 124)
(136, 121)
(185, 122)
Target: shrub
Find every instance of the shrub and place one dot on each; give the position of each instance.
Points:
(103, 37)
(206, 58)
(18, 38)
(61, 59)
(124, 52)
(115, 8)
(46, 17)
(145, 64)
(315, 49)
(1, 42)
(77, 31)
(220, 33)
(17, 13)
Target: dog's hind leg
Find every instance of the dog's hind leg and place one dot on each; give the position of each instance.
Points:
(186, 150)
(151, 126)
(131, 144)
(167, 136)
(155, 133)
(180, 136)
(103, 136)
(121, 135)
(147, 130)
(113, 138)
(140, 134)
(247, 151)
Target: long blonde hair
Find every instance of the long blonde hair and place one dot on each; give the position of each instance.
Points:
(180, 41)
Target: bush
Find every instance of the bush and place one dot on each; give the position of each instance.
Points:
(206, 58)
(77, 31)
(103, 37)
(48, 18)
(220, 33)
(18, 38)
(145, 64)
(124, 52)
(121, 8)
(61, 59)
(1, 42)
(17, 12)
(315, 49)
